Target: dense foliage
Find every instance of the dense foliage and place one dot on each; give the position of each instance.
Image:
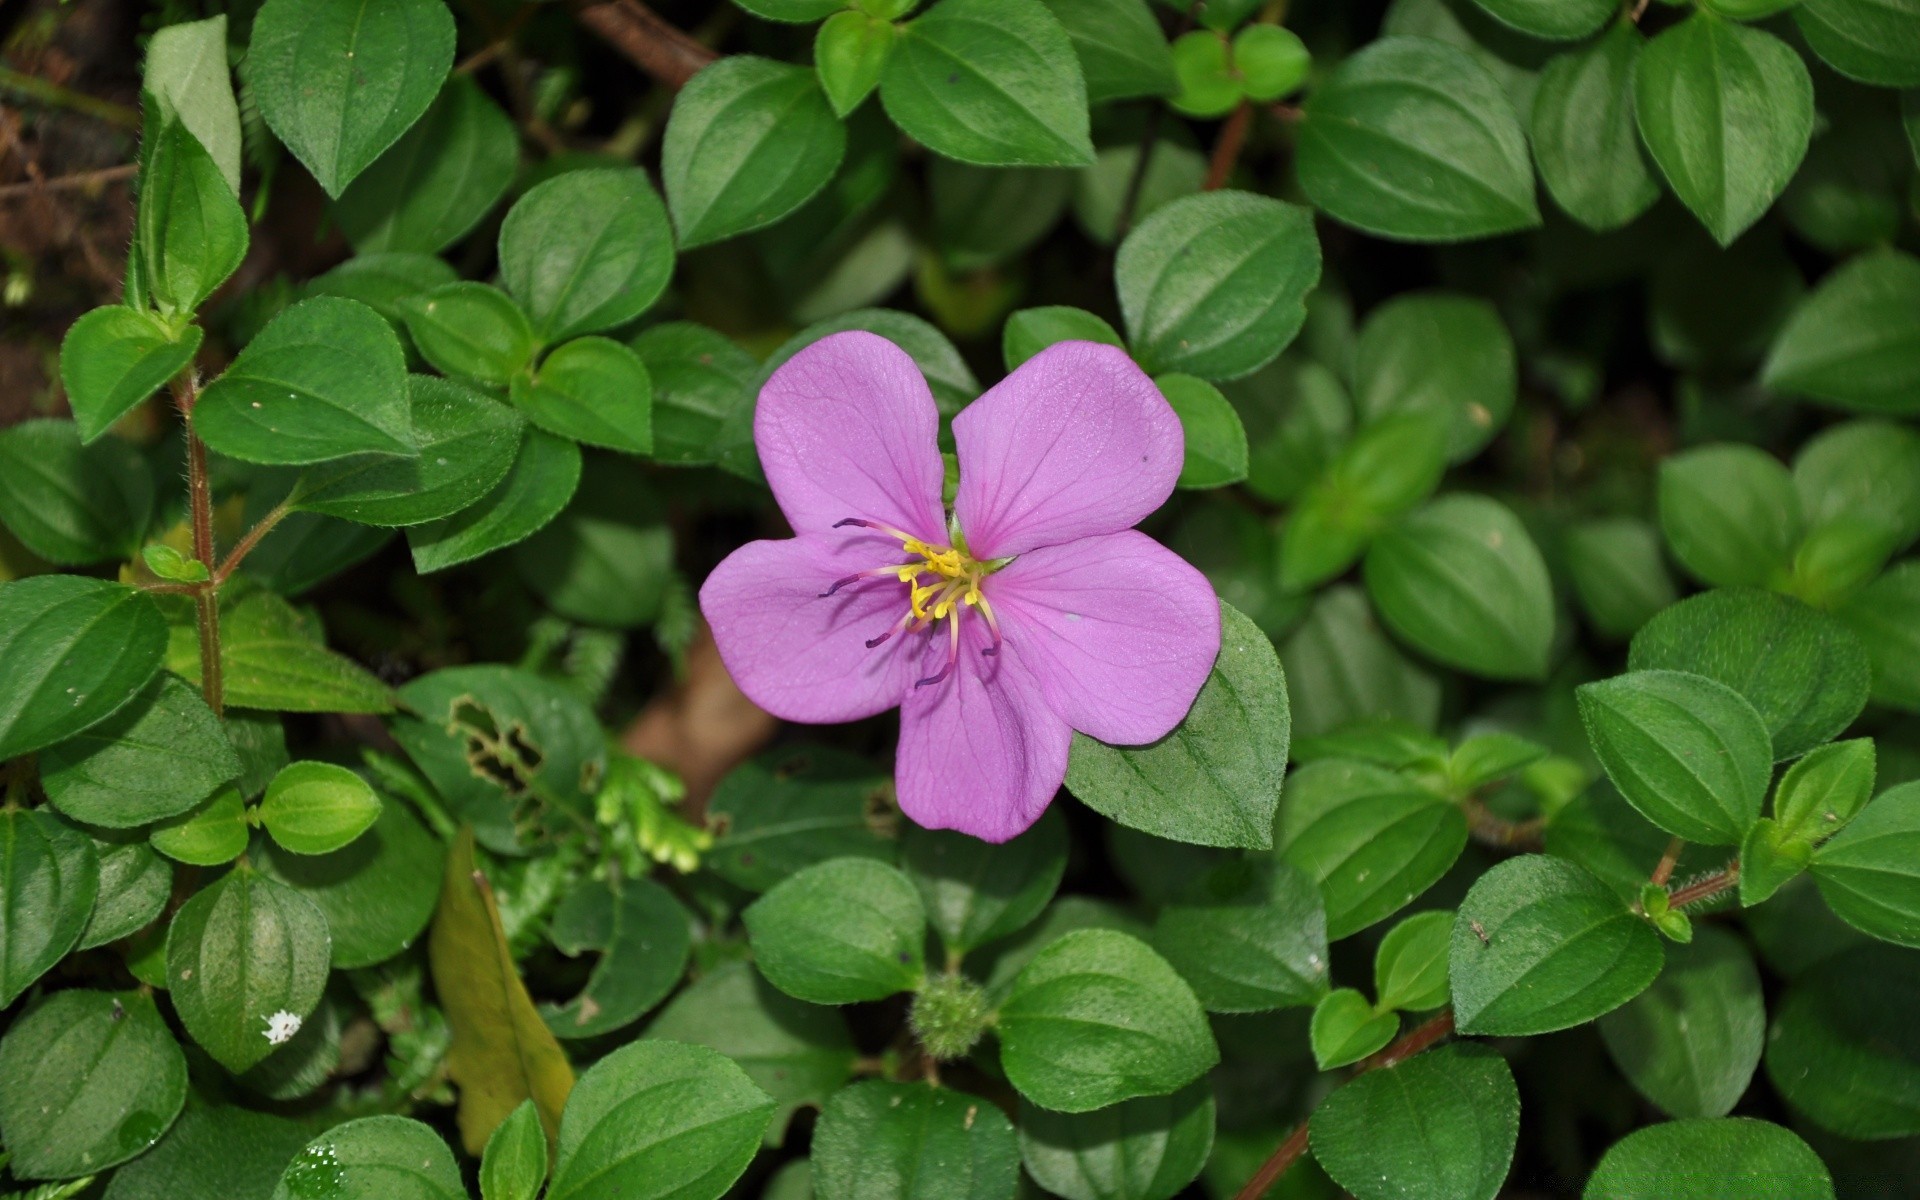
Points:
(379, 822)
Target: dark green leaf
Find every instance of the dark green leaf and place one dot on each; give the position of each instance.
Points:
(1440, 1126)
(841, 931)
(72, 652)
(586, 251)
(1439, 351)
(1216, 442)
(71, 504)
(325, 379)
(135, 884)
(1869, 872)
(377, 893)
(382, 281)
(1706, 1159)
(1868, 40)
(608, 560)
(1730, 514)
(471, 331)
(1618, 573)
(1850, 342)
(703, 391)
(904, 1141)
(1585, 140)
(794, 807)
(1248, 937)
(1346, 1029)
(1885, 617)
(273, 657)
(243, 956)
(641, 933)
(976, 892)
(340, 80)
(1844, 1057)
(92, 1078)
(49, 878)
(1032, 330)
(1341, 668)
(437, 181)
(157, 757)
(374, 1158)
(593, 390)
(983, 216)
(1147, 1148)
(115, 357)
(1540, 944)
(212, 1151)
(1121, 49)
(1691, 1042)
(542, 479)
(1214, 780)
(1558, 20)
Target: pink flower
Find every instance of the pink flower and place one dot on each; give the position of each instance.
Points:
(1034, 611)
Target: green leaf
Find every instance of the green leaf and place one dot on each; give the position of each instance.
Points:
(325, 379)
(471, 331)
(272, 657)
(1850, 342)
(593, 390)
(1346, 1029)
(1216, 442)
(749, 141)
(643, 938)
(1174, 168)
(1555, 20)
(1864, 472)
(1441, 1124)
(93, 1079)
(211, 834)
(1867, 40)
(72, 652)
(213, 1150)
(437, 181)
(794, 807)
(904, 1141)
(171, 565)
(849, 54)
(797, 12)
(244, 951)
(1121, 49)
(1248, 937)
(1386, 469)
(1801, 670)
(1031, 330)
(608, 560)
(1148, 1148)
(1692, 1041)
(1689, 752)
(1438, 351)
(1823, 791)
(992, 82)
(1726, 110)
(49, 878)
(1095, 1018)
(1342, 669)
(948, 374)
(1708, 1158)
(73, 504)
(586, 251)
(1215, 285)
(1540, 944)
(984, 216)
(186, 74)
(1215, 780)
(977, 892)
(378, 893)
(1618, 573)
(1462, 580)
(340, 80)
(1730, 514)
(1869, 874)
(464, 445)
(655, 1120)
(1412, 139)
(514, 1166)
(1841, 1055)
(382, 281)
(1885, 617)
(798, 1053)
(1371, 839)
(157, 757)
(189, 233)
(703, 394)
(135, 884)
(115, 357)
(317, 807)
(374, 1158)
(1410, 968)
(1585, 139)
(542, 479)
(841, 931)
(1770, 859)
(1271, 61)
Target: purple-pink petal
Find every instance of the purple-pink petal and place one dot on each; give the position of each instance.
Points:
(798, 655)
(1076, 442)
(1118, 631)
(980, 752)
(847, 428)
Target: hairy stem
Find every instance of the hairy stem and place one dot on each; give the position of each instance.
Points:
(245, 545)
(1420, 1037)
(1709, 887)
(206, 596)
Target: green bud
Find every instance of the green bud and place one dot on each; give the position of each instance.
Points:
(948, 1016)
(171, 565)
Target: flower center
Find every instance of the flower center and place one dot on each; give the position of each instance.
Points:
(943, 584)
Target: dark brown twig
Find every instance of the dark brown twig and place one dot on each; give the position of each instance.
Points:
(645, 40)
(64, 183)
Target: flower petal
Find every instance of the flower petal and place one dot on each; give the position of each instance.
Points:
(980, 751)
(847, 428)
(1119, 631)
(1076, 442)
(802, 657)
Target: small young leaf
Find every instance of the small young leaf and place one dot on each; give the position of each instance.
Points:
(340, 80)
(990, 82)
(1410, 968)
(211, 834)
(1708, 1158)
(73, 504)
(1216, 441)
(187, 76)
(244, 956)
(1540, 944)
(471, 331)
(1215, 285)
(1689, 752)
(325, 379)
(93, 1079)
(1096, 1018)
(189, 231)
(1371, 146)
(658, 1120)
(749, 141)
(842, 931)
(158, 757)
(115, 357)
(851, 50)
(593, 390)
(1821, 793)
(1148, 1148)
(586, 250)
(49, 878)
(893, 1141)
(514, 1166)
(316, 807)
(1443, 1123)
(93, 644)
(1345, 1029)
(1726, 110)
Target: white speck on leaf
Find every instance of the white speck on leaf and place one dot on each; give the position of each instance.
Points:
(281, 1027)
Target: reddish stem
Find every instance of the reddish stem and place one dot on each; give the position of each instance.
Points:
(206, 600)
(1226, 151)
(1663, 871)
(1709, 887)
(645, 40)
